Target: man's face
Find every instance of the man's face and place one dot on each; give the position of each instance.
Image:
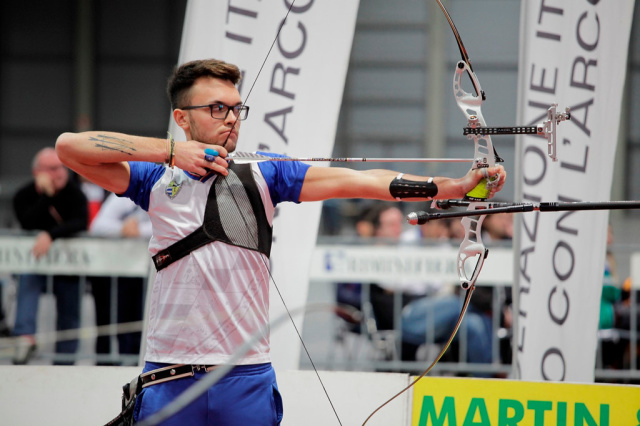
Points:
(48, 163)
(500, 226)
(435, 230)
(198, 123)
(391, 221)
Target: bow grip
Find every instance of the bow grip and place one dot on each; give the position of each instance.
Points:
(481, 191)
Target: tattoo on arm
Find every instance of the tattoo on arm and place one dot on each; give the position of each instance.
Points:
(112, 143)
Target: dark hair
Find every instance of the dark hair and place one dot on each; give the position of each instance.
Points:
(185, 76)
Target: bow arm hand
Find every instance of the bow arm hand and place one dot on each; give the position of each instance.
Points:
(322, 183)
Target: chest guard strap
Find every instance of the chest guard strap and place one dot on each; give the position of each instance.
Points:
(234, 215)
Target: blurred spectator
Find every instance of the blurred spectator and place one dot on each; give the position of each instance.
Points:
(119, 217)
(388, 226)
(438, 314)
(56, 207)
(432, 231)
(384, 222)
(4, 328)
(441, 312)
(456, 230)
(623, 310)
(497, 227)
(615, 311)
(611, 292)
(351, 293)
(365, 222)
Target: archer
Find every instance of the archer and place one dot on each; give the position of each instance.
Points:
(212, 225)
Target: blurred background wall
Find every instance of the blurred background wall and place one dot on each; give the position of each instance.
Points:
(80, 65)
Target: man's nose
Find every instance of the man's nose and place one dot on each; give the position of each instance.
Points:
(231, 117)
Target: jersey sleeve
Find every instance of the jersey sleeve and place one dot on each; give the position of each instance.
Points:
(143, 177)
(284, 178)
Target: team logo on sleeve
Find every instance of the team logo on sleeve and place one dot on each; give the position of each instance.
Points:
(172, 189)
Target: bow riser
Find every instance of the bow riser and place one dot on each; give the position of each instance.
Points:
(471, 107)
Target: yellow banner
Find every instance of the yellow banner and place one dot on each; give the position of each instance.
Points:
(488, 402)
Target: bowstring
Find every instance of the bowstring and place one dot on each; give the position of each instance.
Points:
(266, 265)
(304, 346)
(264, 62)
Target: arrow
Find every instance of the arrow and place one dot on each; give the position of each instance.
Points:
(249, 157)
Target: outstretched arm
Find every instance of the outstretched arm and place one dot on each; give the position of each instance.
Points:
(102, 157)
(334, 182)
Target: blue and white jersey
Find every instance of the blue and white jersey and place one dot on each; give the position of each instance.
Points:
(206, 305)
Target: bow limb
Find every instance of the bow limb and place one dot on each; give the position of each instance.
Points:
(469, 68)
(463, 311)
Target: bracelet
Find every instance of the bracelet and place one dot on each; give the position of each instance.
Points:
(172, 151)
(167, 157)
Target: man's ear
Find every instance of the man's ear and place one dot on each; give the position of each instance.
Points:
(180, 117)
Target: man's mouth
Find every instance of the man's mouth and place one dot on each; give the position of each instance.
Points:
(227, 135)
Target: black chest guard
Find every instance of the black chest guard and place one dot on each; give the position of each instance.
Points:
(234, 215)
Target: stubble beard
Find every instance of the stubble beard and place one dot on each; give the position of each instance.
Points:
(227, 143)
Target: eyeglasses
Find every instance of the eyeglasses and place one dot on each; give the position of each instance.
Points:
(221, 111)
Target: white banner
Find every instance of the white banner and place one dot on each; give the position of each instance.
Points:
(573, 53)
(76, 256)
(400, 265)
(294, 110)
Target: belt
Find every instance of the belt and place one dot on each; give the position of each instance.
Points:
(173, 372)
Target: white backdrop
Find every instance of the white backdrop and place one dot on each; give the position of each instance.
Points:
(573, 53)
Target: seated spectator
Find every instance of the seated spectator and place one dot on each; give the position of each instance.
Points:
(611, 293)
(442, 312)
(615, 311)
(623, 311)
(439, 314)
(388, 226)
(351, 293)
(55, 206)
(497, 228)
(385, 223)
(4, 328)
(119, 217)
